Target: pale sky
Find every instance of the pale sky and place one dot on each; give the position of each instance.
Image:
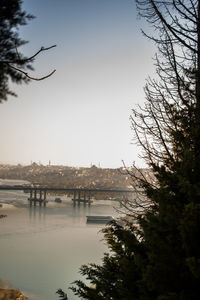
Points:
(80, 115)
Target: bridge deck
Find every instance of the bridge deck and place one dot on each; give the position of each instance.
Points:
(56, 189)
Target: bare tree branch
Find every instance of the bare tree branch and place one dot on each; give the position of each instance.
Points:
(30, 77)
(29, 58)
(20, 61)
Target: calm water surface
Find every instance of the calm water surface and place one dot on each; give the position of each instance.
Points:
(42, 248)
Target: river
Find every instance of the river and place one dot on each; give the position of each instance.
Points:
(42, 248)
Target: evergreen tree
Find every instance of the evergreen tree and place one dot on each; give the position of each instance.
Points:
(119, 276)
(13, 64)
(168, 130)
(11, 17)
(160, 258)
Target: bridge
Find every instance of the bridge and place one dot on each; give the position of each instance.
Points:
(39, 194)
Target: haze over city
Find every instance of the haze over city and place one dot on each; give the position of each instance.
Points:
(80, 115)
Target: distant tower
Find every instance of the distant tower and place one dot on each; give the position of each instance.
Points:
(49, 162)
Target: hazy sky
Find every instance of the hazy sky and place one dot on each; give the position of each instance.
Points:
(80, 115)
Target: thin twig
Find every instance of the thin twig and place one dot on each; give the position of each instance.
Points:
(30, 77)
(29, 58)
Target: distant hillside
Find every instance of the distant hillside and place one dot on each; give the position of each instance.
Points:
(58, 176)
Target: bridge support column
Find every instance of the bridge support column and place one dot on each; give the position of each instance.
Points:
(45, 197)
(40, 199)
(84, 198)
(74, 199)
(35, 197)
(89, 195)
(79, 197)
(31, 197)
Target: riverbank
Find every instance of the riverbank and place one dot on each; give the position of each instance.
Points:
(11, 294)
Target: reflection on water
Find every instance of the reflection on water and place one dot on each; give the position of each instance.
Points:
(42, 248)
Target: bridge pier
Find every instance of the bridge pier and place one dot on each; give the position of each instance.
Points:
(45, 197)
(34, 199)
(78, 198)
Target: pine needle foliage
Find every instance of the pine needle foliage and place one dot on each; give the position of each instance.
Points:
(119, 276)
(11, 18)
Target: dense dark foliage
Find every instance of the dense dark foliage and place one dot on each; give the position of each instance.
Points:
(11, 18)
(62, 294)
(160, 257)
(118, 277)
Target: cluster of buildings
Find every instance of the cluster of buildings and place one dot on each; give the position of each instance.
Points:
(63, 176)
